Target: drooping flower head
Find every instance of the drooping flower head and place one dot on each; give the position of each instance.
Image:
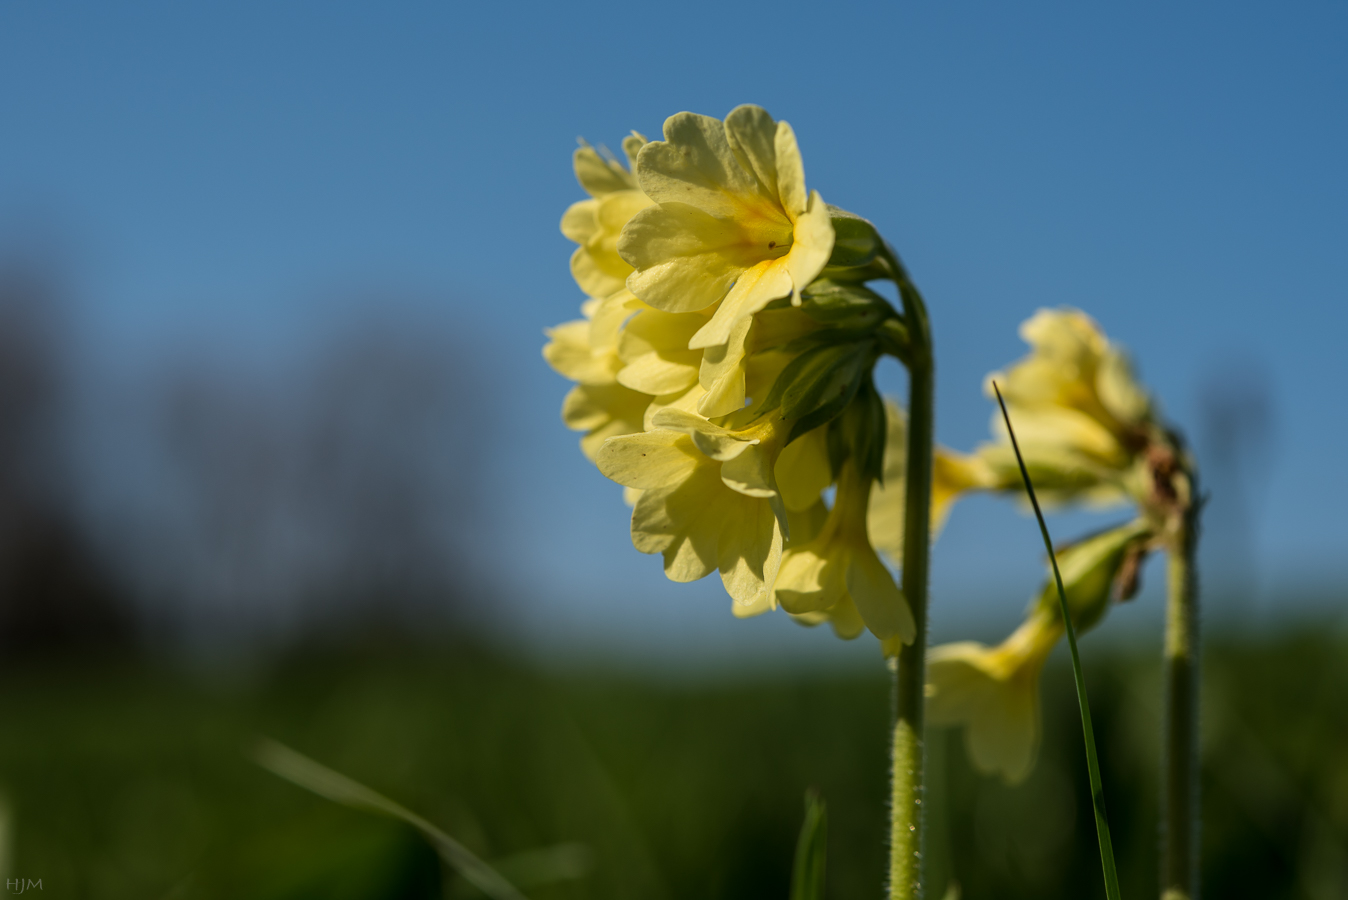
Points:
(994, 691)
(1089, 434)
(721, 380)
(1082, 419)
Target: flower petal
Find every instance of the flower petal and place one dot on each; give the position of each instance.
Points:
(754, 289)
(599, 176)
(790, 172)
(694, 164)
(750, 554)
(684, 259)
(803, 471)
(653, 373)
(812, 245)
(880, 602)
(579, 222)
(649, 459)
(751, 134)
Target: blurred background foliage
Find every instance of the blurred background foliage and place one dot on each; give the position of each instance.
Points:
(127, 779)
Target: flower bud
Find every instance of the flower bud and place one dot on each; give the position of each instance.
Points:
(856, 242)
(1090, 569)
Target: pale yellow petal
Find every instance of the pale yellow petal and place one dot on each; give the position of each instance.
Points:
(694, 164)
(750, 553)
(878, 600)
(803, 470)
(579, 222)
(811, 247)
(723, 374)
(599, 176)
(647, 460)
(590, 406)
(756, 287)
(750, 473)
(570, 353)
(846, 621)
(711, 440)
(653, 373)
(652, 330)
(591, 277)
(684, 259)
(607, 318)
(686, 401)
(751, 134)
(1119, 390)
(790, 172)
(632, 145)
(811, 580)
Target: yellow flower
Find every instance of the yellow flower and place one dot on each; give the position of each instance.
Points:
(708, 501)
(733, 227)
(994, 691)
(603, 411)
(838, 567)
(596, 223)
(952, 475)
(1080, 416)
(586, 351)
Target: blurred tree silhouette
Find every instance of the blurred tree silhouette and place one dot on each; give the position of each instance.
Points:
(344, 495)
(55, 592)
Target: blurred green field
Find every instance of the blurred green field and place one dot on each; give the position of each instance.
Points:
(125, 779)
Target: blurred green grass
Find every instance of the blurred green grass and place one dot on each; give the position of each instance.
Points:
(129, 779)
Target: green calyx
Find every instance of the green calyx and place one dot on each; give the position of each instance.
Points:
(856, 243)
(1096, 570)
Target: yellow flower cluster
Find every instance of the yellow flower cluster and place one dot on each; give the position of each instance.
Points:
(723, 368)
(1089, 435)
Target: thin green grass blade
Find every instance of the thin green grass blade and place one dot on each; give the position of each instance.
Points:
(1088, 730)
(807, 875)
(303, 771)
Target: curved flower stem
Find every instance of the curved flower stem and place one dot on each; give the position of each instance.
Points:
(908, 749)
(1179, 799)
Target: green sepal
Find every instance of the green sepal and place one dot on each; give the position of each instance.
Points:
(1090, 568)
(855, 241)
(824, 386)
(789, 374)
(865, 428)
(844, 304)
(875, 269)
(807, 872)
(836, 442)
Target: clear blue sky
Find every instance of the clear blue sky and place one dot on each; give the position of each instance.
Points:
(214, 170)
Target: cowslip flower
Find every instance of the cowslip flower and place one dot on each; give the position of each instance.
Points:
(721, 380)
(708, 501)
(953, 474)
(595, 224)
(993, 692)
(732, 227)
(1082, 419)
(838, 569)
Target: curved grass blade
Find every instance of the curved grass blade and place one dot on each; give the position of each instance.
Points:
(807, 874)
(303, 771)
(1088, 730)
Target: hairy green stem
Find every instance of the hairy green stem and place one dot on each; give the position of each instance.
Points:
(908, 749)
(1179, 798)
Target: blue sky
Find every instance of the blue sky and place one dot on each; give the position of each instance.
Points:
(215, 174)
